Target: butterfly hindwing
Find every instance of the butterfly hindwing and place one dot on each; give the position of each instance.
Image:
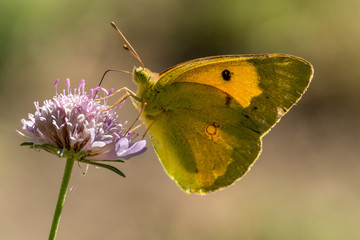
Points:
(203, 145)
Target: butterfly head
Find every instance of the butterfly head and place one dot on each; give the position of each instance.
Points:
(141, 75)
(146, 80)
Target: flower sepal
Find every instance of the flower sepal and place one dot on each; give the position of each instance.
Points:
(79, 156)
(47, 147)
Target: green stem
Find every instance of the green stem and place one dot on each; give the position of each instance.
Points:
(61, 199)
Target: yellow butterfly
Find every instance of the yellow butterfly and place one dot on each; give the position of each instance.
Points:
(206, 117)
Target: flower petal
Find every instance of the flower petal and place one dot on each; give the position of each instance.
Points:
(135, 149)
(98, 144)
(121, 145)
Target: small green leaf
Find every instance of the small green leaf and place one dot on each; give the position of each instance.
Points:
(27, 144)
(118, 160)
(109, 167)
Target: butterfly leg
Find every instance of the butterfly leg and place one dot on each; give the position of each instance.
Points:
(137, 118)
(147, 129)
(153, 120)
(128, 93)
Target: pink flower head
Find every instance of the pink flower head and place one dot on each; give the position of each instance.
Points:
(74, 123)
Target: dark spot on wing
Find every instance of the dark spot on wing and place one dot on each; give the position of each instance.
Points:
(228, 99)
(216, 124)
(257, 131)
(226, 75)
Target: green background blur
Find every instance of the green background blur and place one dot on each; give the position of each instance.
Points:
(306, 183)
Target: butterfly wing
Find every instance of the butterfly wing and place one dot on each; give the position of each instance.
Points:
(214, 112)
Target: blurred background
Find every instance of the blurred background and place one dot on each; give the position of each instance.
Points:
(305, 185)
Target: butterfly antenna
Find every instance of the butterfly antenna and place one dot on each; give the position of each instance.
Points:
(103, 76)
(128, 46)
(111, 70)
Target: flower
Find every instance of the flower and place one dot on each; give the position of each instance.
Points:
(77, 124)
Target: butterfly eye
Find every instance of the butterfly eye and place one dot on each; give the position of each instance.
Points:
(226, 75)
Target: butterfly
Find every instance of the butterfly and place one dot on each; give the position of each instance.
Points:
(206, 117)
